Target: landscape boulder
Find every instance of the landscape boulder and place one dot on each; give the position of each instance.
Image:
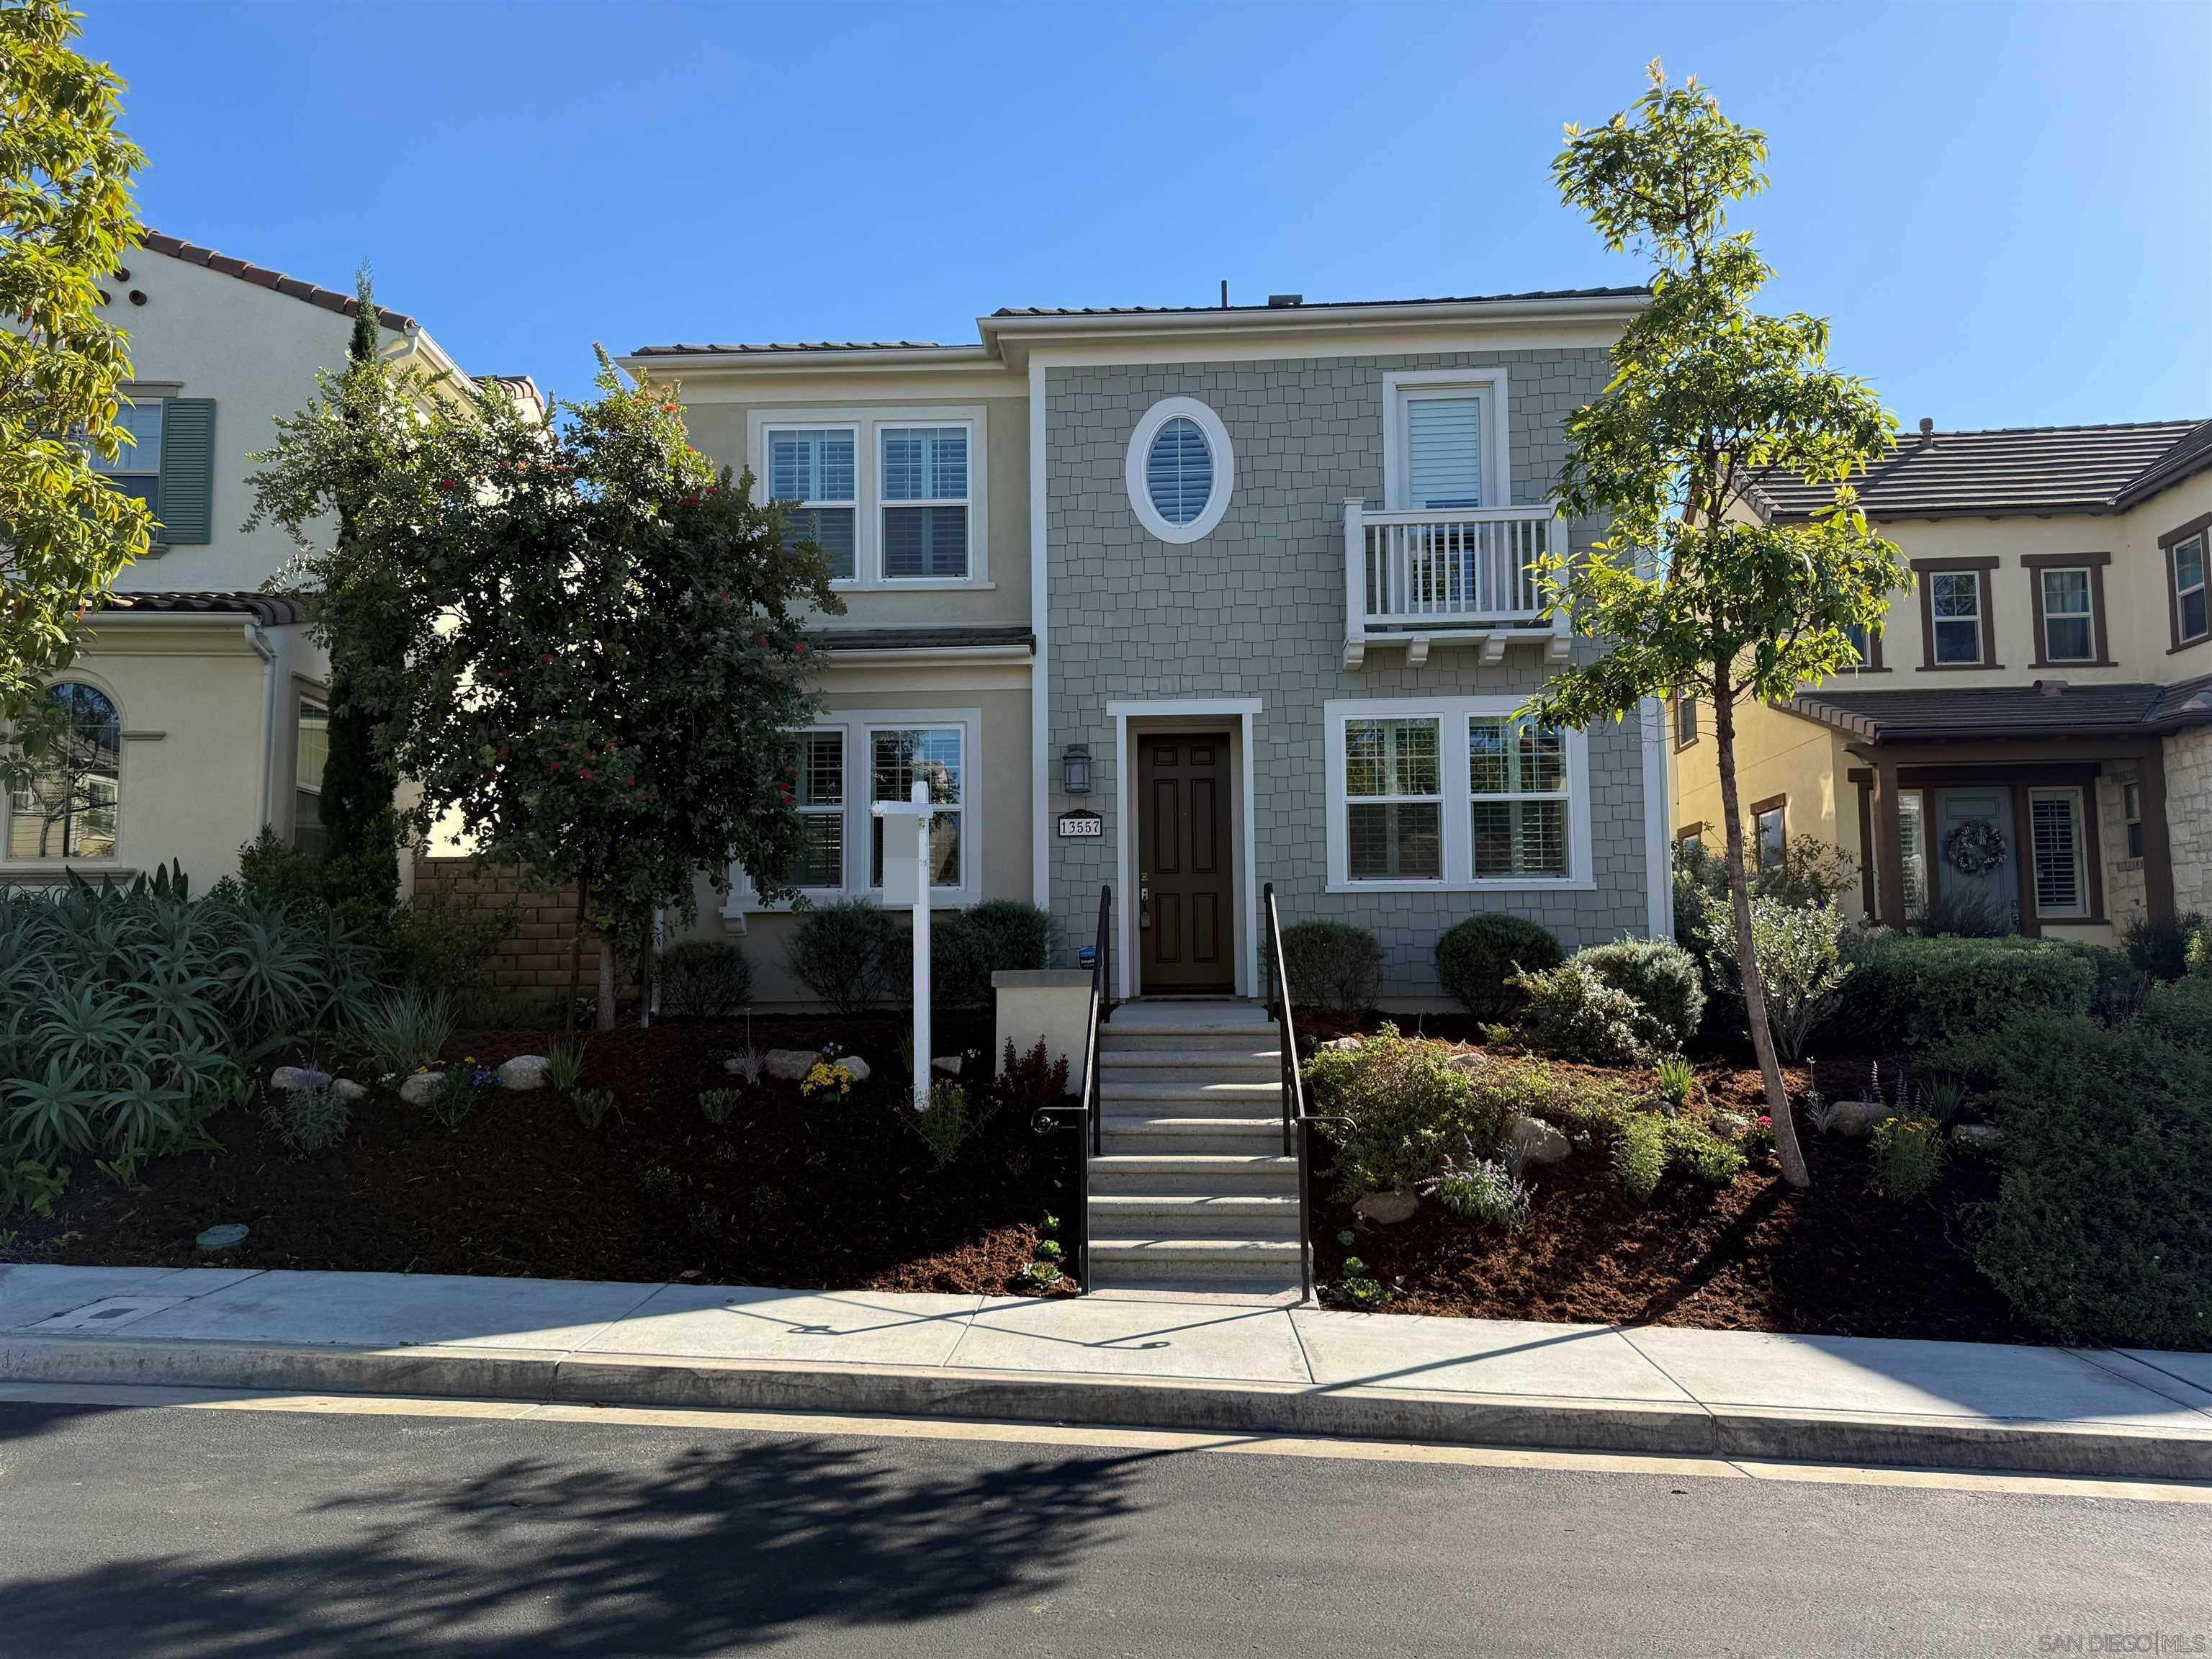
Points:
(1978, 1137)
(349, 1092)
(1388, 1209)
(1851, 1119)
(297, 1079)
(791, 1064)
(419, 1088)
(1537, 1141)
(523, 1072)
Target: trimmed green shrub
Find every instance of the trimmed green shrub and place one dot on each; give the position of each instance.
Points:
(1647, 1148)
(2160, 948)
(1476, 957)
(1512, 1085)
(1333, 966)
(1801, 962)
(1662, 979)
(2099, 1232)
(707, 978)
(966, 947)
(1406, 1104)
(847, 953)
(1569, 1012)
(2181, 1013)
(1017, 936)
(1915, 993)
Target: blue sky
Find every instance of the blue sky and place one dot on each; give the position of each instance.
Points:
(2006, 211)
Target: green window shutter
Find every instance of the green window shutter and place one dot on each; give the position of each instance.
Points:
(187, 501)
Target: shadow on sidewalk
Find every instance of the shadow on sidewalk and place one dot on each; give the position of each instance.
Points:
(723, 1544)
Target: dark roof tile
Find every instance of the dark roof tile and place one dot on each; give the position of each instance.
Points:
(1325, 305)
(834, 640)
(2130, 707)
(2015, 470)
(270, 610)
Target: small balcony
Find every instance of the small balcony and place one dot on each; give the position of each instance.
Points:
(1411, 579)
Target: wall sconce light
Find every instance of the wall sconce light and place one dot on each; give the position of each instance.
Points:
(1075, 768)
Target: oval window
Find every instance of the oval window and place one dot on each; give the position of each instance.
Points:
(1179, 469)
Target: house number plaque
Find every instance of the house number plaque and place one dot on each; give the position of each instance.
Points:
(1081, 826)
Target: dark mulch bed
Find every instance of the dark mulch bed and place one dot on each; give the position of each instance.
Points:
(787, 1192)
(1837, 1259)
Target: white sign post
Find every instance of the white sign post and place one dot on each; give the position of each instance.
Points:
(906, 881)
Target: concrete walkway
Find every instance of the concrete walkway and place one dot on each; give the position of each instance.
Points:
(1132, 1359)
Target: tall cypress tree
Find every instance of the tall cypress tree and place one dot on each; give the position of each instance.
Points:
(360, 829)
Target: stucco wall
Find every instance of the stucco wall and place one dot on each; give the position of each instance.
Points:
(1257, 608)
(253, 350)
(718, 425)
(193, 695)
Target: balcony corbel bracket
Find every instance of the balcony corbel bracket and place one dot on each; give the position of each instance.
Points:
(1494, 649)
(1355, 653)
(1417, 651)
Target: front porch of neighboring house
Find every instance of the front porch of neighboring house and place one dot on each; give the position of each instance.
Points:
(2065, 836)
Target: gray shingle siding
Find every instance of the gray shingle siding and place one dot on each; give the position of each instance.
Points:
(1256, 609)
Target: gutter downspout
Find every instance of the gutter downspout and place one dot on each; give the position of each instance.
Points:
(260, 640)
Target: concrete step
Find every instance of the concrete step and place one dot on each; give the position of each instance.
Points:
(1133, 1039)
(1256, 1172)
(1140, 1260)
(1210, 1135)
(1191, 1099)
(1257, 1063)
(1195, 1215)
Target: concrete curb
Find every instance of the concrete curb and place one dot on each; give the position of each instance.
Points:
(2113, 1451)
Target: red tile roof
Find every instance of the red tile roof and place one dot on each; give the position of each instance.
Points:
(261, 277)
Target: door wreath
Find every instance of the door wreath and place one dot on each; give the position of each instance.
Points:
(1975, 848)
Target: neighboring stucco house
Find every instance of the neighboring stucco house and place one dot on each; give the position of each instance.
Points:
(2030, 734)
(1186, 601)
(198, 699)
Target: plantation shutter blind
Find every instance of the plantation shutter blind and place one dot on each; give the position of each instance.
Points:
(187, 488)
(2058, 854)
(1443, 452)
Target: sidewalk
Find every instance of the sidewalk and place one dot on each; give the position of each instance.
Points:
(1125, 1360)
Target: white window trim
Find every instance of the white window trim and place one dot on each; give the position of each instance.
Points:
(2081, 909)
(1458, 826)
(859, 727)
(1490, 384)
(1225, 468)
(865, 421)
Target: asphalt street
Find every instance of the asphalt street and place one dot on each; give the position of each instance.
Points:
(219, 1533)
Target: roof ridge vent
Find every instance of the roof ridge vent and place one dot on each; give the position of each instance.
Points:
(1927, 430)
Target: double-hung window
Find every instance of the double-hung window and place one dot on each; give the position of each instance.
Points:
(1454, 794)
(840, 768)
(1771, 833)
(311, 752)
(1393, 789)
(1955, 604)
(1912, 842)
(925, 501)
(1518, 798)
(2190, 622)
(1445, 447)
(136, 468)
(818, 794)
(897, 759)
(1686, 721)
(2061, 881)
(813, 470)
(2068, 624)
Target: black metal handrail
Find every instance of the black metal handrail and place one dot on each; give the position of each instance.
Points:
(1305, 1200)
(1298, 1123)
(1086, 1110)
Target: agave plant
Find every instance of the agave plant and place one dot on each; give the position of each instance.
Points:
(55, 1112)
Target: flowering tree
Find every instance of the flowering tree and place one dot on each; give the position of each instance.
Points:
(604, 651)
(1698, 597)
(65, 220)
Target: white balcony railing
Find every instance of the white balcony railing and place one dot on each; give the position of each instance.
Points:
(1412, 577)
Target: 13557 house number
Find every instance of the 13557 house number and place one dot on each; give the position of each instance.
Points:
(1081, 826)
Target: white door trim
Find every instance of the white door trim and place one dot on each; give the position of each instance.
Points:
(1245, 713)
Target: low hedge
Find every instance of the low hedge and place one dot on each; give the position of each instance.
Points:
(1914, 994)
(1476, 959)
(2181, 1013)
(2099, 1232)
(1405, 1105)
(707, 978)
(1660, 975)
(1333, 966)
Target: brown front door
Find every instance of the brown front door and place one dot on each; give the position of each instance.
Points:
(1186, 925)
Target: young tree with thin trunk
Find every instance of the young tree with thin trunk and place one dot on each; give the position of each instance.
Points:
(1694, 593)
(66, 221)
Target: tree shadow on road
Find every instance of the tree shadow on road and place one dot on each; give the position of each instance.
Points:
(723, 1545)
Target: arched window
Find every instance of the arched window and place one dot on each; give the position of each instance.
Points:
(67, 808)
(1181, 468)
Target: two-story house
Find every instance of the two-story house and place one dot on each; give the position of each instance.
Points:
(2028, 740)
(199, 700)
(1185, 601)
